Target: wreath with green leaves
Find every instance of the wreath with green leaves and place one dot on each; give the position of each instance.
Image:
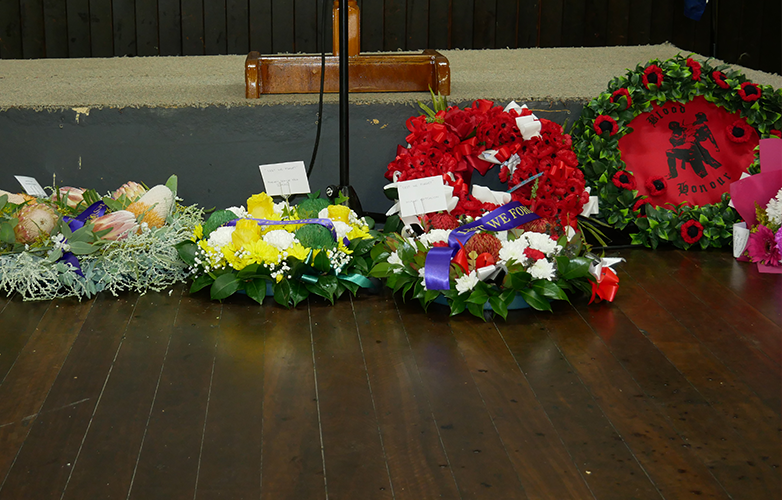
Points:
(606, 119)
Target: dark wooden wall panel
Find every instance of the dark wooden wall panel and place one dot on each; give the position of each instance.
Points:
(306, 25)
(215, 28)
(283, 26)
(739, 32)
(507, 24)
(461, 23)
(33, 41)
(101, 29)
(417, 25)
(371, 24)
(237, 27)
(124, 17)
(484, 25)
(439, 24)
(77, 22)
(55, 28)
(147, 28)
(193, 27)
(551, 23)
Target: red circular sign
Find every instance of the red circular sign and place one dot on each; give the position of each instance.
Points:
(687, 152)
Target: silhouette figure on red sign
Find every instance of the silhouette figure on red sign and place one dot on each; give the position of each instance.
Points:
(687, 146)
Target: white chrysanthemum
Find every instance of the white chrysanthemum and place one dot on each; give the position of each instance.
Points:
(240, 212)
(279, 238)
(435, 236)
(220, 237)
(341, 228)
(467, 282)
(422, 275)
(542, 269)
(513, 250)
(279, 207)
(774, 208)
(542, 242)
(502, 236)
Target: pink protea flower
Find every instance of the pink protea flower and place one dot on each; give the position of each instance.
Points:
(15, 198)
(36, 221)
(71, 196)
(120, 223)
(131, 190)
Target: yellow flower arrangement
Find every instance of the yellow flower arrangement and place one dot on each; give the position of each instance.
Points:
(315, 247)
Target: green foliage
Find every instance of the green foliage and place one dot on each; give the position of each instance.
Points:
(600, 157)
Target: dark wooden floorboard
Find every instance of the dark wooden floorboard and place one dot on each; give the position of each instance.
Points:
(232, 444)
(658, 447)
(45, 461)
(706, 430)
(415, 456)
(107, 459)
(609, 467)
(672, 391)
(355, 462)
(477, 456)
(292, 459)
(738, 353)
(533, 444)
(26, 387)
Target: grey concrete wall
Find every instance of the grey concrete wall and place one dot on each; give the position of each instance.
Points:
(215, 151)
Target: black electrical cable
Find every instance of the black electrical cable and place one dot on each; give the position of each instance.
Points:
(324, 11)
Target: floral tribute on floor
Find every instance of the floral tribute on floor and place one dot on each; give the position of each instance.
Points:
(495, 250)
(662, 146)
(758, 199)
(288, 251)
(77, 243)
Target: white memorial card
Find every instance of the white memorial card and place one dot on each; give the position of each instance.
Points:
(31, 186)
(422, 196)
(285, 179)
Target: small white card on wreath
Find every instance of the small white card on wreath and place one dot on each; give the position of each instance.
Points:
(422, 196)
(31, 186)
(285, 179)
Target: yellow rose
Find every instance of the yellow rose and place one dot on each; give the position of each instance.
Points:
(247, 231)
(261, 206)
(339, 212)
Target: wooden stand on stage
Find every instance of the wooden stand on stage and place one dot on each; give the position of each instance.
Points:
(300, 74)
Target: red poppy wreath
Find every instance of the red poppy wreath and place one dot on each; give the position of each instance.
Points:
(662, 145)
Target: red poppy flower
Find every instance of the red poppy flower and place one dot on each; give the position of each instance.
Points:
(719, 79)
(605, 123)
(695, 67)
(691, 231)
(624, 179)
(545, 208)
(775, 133)
(640, 204)
(653, 75)
(739, 132)
(749, 92)
(656, 185)
(619, 93)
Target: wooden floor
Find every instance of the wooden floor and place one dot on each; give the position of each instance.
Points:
(673, 391)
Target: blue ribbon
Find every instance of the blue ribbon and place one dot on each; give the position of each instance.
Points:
(438, 260)
(97, 209)
(323, 222)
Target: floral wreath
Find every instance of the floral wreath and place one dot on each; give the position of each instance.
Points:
(288, 251)
(535, 157)
(606, 119)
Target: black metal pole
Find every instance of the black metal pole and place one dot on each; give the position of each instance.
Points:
(344, 83)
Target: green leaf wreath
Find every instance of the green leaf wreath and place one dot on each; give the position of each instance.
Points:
(683, 79)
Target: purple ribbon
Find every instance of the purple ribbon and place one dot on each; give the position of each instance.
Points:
(323, 222)
(438, 260)
(97, 209)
